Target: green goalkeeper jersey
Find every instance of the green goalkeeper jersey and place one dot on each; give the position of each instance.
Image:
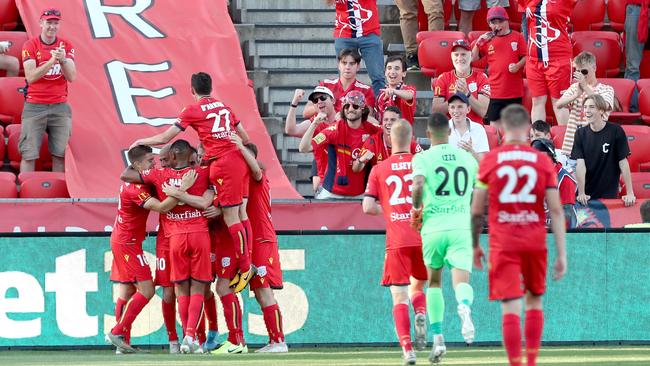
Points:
(450, 174)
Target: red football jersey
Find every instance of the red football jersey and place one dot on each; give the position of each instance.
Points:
(259, 210)
(548, 37)
(445, 86)
(390, 183)
(407, 107)
(130, 224)
(356, 18)
(183, 218)
(502, 51)
(320, 152)
(517, 177)
(52, 87)
(377, 146)
(566, 185)
(214, 122)
(339, 92)
(343, 146)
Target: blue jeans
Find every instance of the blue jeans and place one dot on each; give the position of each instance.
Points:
(372, 52)
(633, 50)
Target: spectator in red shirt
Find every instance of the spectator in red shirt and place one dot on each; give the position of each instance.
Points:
(49, 66)
(8, 62)
(396, 92)
(505, 50)
(344, 141)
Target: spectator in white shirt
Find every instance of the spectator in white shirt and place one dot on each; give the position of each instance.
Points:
(465, 133)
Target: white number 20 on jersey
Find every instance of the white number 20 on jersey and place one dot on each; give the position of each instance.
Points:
(524, 195)
(396, 197)
(217, 126)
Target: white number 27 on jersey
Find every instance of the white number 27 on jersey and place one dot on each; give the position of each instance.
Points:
(524, 195)
(217, 126)
(396, 197)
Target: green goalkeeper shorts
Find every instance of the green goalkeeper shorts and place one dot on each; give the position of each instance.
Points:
(451, 247)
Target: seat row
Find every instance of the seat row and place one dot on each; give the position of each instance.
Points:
(33, 185)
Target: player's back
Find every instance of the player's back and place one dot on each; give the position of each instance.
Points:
(259, 210)
(449, 174)
(517, 177)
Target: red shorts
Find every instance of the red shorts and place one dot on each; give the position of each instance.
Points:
(190, 256)
(229, 175)
(129, 263)
(214, 242)
(163, 268)
(266, 258)
(400, 264)
(552, 80)
(512, 273)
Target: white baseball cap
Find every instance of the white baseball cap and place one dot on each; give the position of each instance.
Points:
(321, 90)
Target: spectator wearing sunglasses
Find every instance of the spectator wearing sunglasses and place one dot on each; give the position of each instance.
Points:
(49, 65)
(585, 84)
(344, 141)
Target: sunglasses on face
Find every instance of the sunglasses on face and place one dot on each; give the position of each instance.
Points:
(354, 106)
(52, 12)
(320, 98)
(583, 71)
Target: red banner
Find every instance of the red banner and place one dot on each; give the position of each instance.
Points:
(134, 61)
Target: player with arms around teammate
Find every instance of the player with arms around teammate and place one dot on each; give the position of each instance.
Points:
(443, 177)
(215, 123)
(516, 179)
(130, 267)
(387, 193)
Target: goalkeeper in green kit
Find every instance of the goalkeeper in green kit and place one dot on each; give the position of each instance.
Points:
(443, 179)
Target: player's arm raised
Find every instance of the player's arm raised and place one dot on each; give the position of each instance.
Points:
(159, 139)
(131, 175)
(559, 231)
(256, 171)
(478, 211)
(243, 134)
(305, 142)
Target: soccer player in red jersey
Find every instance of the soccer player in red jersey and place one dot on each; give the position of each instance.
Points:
(130, 267)
(389, 193)
(548, 67)
(517, 179)
(215, 123)
(462, 79)
(396, 92)
(378, 146)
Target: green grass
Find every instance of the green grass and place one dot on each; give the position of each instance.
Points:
(550, 356)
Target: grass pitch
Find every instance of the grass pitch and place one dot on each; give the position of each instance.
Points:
(549, 356)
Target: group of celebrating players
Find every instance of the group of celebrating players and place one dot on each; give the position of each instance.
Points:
(434, 203)
(215, 225)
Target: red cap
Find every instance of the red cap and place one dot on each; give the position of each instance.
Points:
(51, 13)
(462, 44)
(497, 12)
(355, 97)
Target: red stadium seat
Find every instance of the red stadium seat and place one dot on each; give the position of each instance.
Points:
(623, 89)
(493, 137)
(606, 46)
(641, 185)
(18, 39)
(8, 15)
(515, 15)
(11, 129)
(644, 104)
(434, 51)
(586, 13)
(482, 62)
(44, 185)
(640, 151)
(557, 133)
(22, 177)
(616, 14)
(479, 21)
(11, 99)
(8, 189)
(8, 177)
(644, 68)
(43, 163)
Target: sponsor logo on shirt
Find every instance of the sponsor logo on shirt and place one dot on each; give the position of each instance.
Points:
(521, 217)
(187, 215)
(514, 45)
(394, 216)
(225, 262)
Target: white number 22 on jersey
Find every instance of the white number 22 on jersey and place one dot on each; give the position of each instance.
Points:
(507, 194)
(395, 197)
(217, 126)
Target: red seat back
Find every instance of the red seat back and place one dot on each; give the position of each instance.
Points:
(8, 15)
(48, 185)
(8, 176)
(644, 102)
(44, 161)
(606, 46)
(493, 138)
(639, 150)
(434, 51)
(8, 189)
(623, 89)
(557, 133)
(616, 13)
(587, 12)
(11, 99)
(12, 129)
(641, 184)
(17, 39)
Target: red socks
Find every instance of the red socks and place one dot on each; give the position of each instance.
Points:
(238, 235)
(419, 302)
(169, 316)
(403, 325)
(119, 311)
(512, 338)
(273, 321)
(194, 314)
(211, 313)
(249, 235)
(232, 313)
(133, 307)
(200, 331)
(533, 327)
(183, 310)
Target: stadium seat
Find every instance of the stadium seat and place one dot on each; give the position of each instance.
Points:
(623, 89)
(13, 153)
(11, 129)
(642, 158)
(18, 39)
(640, 151)
(643, 84)
(482, 62)
(644, 67)
(606, 46)
(557, 133)
(586, 13)
(641, 185)
(8, 189)
(515, 16)
(44, 185)
(434, 51)
(8, 177)
(2, 147)
(644, 104)
(493, 137)
(616, 14)
(8, 15)
(479, 22)
(11, 100)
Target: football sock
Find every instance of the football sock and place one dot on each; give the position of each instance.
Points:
(169, 316)
(403, 326)
(194, 315)
(512, 338)
(533, 327)
(211, 313)
(133, 307)
(229, 304)
(119, 311)
(200, 330)
(249, 235)
(419, 302)
(238, 317)
(464, 293)
(183, 311)
(238, 235)
(273, 321)
(435, 308)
